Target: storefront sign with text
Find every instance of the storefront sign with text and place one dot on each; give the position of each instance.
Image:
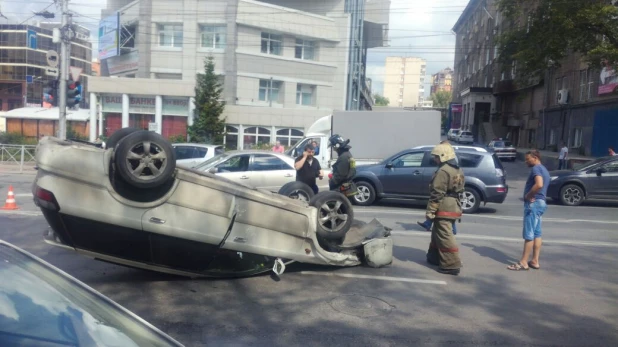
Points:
(146, 105)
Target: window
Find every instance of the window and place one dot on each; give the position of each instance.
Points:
(583, 81)
(576, 138)
(269, 90)
(238, 163)
(266, 162)
(231, 137)
(168, 76)
(304, 94)
(495, 51)
(190, 152)
(409, 160)
(531, 136)
(552, 137)
(487, 56)
(304, 49)
(289, 137)
(611, 167)
(590, 85)
(468, 160)
(271, 43)
(213, 36)
(170, 35)
(255, 136)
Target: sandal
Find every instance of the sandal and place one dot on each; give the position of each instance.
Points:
(517, 267)
(536, 267)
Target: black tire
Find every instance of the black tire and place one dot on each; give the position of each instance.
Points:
(366, 194)
(117, 136)
(297, 190)
(157, 161)
(470, 201)
(572, 195)
(332, 206)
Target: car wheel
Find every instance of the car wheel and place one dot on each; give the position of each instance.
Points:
(144, 159)
(297, 190)
(335, 215)
(572, 195)
(470, 200)
(366, 194)
(117, 136)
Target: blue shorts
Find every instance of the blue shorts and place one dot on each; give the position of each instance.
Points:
(533, 213)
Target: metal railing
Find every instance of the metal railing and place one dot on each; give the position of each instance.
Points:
(17, 155)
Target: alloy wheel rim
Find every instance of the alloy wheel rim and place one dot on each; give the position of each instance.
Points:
(363, 194)
(467, 200)
(146, 160)
(332, 215)
(572, 195)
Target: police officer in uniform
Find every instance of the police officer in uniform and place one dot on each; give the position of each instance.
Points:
(443, 208)
(344, 168)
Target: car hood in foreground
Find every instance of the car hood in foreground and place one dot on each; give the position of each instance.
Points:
(41, 305)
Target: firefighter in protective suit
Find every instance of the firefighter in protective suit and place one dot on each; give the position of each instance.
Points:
(443, 208)
(344, 168)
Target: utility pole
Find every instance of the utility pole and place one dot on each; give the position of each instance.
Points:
(65, 61)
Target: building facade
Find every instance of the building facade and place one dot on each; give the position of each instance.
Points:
(532, 115)
(23, 63)
(442, 81)
(404, 81)
(283, 63)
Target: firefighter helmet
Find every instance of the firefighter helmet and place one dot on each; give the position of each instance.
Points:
(444, 151)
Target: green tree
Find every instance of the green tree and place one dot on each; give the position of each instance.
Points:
(542, 33)
(380, 100)
(441, 98)
(208, 126)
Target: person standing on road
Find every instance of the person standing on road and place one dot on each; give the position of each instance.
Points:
(534, 207)
(563, 157)
(277, 148)
(344, 168)
(308, 168)
(443, 208)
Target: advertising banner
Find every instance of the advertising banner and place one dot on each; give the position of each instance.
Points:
(172, 106)
(609, 80)
(123, 63)
(109, 32)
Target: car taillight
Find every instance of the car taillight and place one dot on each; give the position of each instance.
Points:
(501, 190)
(46, 199)
(499, 173)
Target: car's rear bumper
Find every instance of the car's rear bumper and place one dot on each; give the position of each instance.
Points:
(496, 194)
(506, 155)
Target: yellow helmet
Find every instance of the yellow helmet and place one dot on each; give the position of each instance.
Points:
(444, 151)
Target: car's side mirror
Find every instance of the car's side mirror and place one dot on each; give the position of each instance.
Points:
(601, 170)
(389, 165)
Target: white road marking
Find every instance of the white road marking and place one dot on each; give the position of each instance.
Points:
(20, 213)
(511, 239)
(379, 278)
(510, 218)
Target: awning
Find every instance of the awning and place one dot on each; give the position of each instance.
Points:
(47, 114)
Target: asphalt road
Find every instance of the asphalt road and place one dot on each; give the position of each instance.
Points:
(571, 301)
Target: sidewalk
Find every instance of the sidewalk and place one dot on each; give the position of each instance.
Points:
(550, 158)
(12, 168)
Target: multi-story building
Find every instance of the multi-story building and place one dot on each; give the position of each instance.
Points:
(283, 63)
(442, 81)
(23, 63)
(573, 104)
(404, 81)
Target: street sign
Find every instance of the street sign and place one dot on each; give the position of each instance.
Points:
(52, 58)
(75, 72)
(32, 39)
(52, 71)
(29, 79)
(152, 126)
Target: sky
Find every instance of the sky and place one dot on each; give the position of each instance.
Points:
(418, 28)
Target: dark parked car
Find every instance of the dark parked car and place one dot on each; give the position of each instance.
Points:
(503, 149)
(595, 179)
(407, 174)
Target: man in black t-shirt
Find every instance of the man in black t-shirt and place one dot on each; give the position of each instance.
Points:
(308, 168)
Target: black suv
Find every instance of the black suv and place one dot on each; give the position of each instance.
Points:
(407, 174)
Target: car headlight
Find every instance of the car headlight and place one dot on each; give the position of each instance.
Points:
(553, 178)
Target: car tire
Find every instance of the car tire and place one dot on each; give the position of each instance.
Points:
(572, 195)
(335, 215)
(470, 200)
(118, 135)
(144, 159)
(366, 194)
(297, 190)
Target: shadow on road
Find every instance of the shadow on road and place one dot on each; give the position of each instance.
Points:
(491, 253)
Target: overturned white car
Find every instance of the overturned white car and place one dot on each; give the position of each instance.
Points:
(129, 204)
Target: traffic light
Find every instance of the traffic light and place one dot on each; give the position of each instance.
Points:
(74, 93)
(50, 93)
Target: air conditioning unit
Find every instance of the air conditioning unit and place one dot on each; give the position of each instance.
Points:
(563, 97)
